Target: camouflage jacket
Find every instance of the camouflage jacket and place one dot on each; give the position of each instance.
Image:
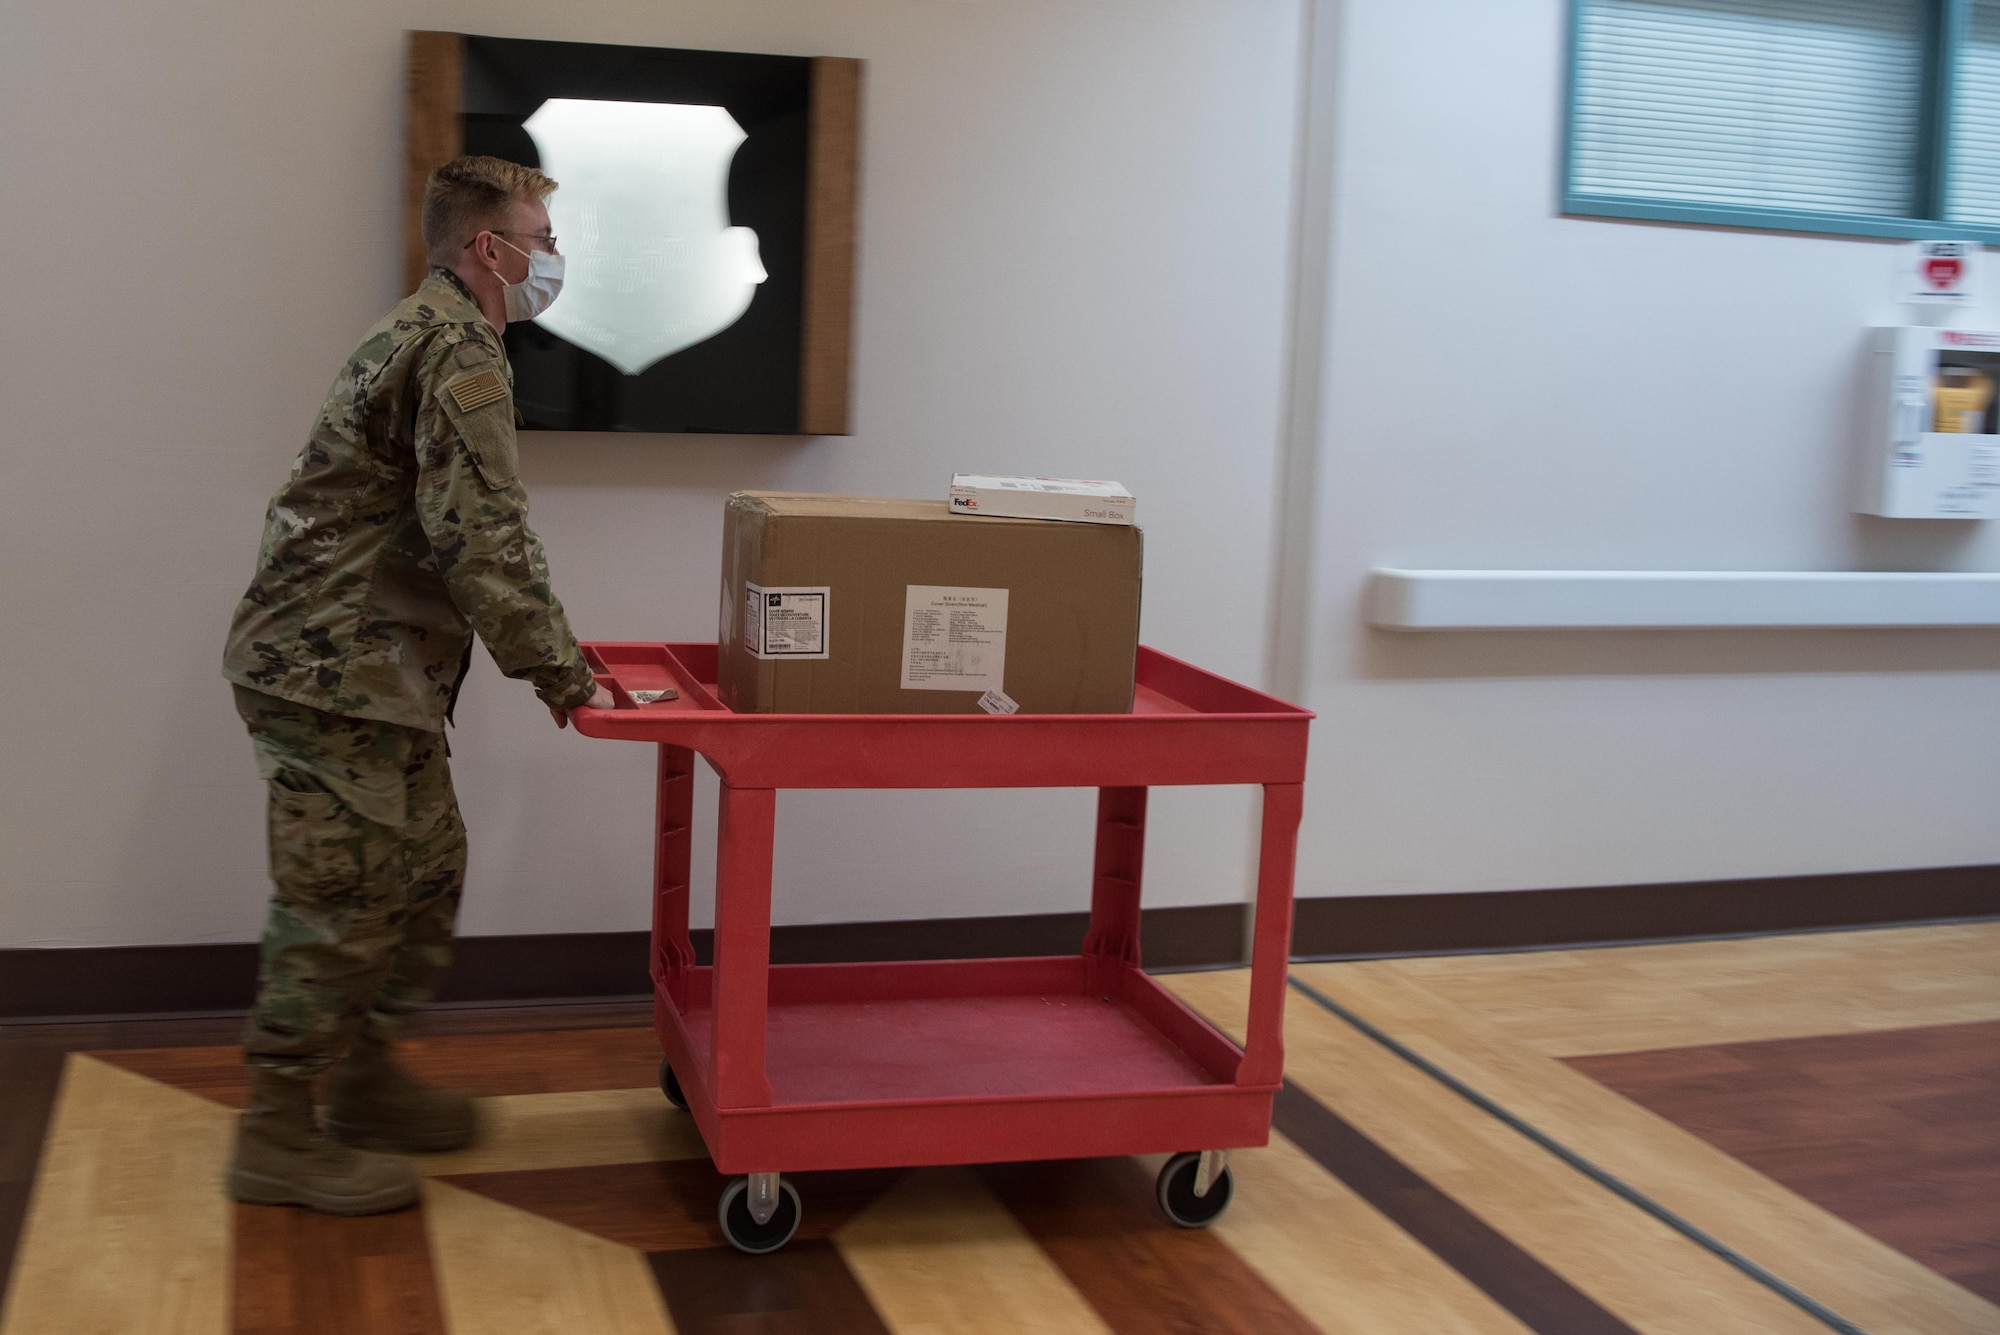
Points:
(402, 531)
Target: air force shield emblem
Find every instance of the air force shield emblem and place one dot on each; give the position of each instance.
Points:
(643, 216)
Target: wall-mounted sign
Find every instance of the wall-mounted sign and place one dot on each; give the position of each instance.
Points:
(706, 208)
(1939, 273)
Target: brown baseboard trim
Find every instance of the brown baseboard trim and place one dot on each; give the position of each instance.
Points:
(1364, 926)
(208, 979)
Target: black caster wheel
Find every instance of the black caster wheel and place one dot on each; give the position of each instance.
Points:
(670, 1085)
(1177, 1198)
(745, 1234)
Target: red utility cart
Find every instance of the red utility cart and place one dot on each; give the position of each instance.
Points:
(793, 1068)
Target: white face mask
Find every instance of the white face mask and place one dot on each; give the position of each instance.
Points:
(535, 293)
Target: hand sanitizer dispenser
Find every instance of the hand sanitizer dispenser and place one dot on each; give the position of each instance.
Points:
(1931, 424)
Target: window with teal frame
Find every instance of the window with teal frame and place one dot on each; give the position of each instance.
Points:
(1857, 117)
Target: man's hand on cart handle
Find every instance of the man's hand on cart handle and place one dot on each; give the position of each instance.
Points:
(602, 700)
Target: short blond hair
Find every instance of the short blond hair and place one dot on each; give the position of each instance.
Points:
(470, 195)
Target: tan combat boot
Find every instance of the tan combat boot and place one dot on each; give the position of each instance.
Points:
(283, 1159)
(379, 1106)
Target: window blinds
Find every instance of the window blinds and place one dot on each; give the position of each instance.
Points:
(1975, 120)
(1790, 104)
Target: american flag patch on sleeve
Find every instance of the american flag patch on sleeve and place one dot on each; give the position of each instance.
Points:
(476, 390)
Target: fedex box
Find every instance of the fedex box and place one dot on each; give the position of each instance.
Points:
(981, 496)
(855, 605)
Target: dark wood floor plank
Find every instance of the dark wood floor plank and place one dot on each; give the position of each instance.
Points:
(157, 1032)
(1097, 1221)
(1895, 1131)
(213, 1072)
(1537, 1296)
(13, 1217)
(547, 1018)
(540, 1062)
(29, 1078)
(209, 1030)
(665, 1206)
(805, 1288)
(301, 1273)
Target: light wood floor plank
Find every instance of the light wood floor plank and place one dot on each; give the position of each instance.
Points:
(503, 1271)
(1571, 1003)
(1332, 1256)
(572, 1130)
(128, 1232)
(1829, 1259)
(1635, 1267)
(938, 1255)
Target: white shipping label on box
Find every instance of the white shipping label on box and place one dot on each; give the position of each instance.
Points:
(954, 639)
(785, 623)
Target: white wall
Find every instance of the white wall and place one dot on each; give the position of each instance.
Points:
(1506, 388)
(1074, 228)
(1074, 258)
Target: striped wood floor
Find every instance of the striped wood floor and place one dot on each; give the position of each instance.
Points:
(1385, 1203)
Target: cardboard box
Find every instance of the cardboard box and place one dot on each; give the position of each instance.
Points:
(1066, 498)
(846, 605)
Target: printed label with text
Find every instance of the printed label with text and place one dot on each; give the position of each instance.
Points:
(954, 639)
(785, 623)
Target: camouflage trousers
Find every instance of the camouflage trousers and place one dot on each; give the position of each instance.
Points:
(368, 865)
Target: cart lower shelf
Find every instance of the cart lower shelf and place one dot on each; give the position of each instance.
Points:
(964, 1061)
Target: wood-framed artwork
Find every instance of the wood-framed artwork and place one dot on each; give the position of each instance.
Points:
(706, 210)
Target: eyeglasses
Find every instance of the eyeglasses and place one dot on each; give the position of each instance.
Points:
(546, 238)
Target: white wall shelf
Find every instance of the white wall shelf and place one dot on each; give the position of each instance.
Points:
(1684, 599)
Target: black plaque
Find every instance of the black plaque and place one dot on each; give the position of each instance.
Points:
(743, 379)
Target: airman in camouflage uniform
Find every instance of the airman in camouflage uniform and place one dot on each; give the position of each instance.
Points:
(401, 534)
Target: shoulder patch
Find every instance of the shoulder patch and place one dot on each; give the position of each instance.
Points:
(477, 390)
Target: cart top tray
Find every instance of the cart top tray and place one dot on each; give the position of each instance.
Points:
(1186, 726)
